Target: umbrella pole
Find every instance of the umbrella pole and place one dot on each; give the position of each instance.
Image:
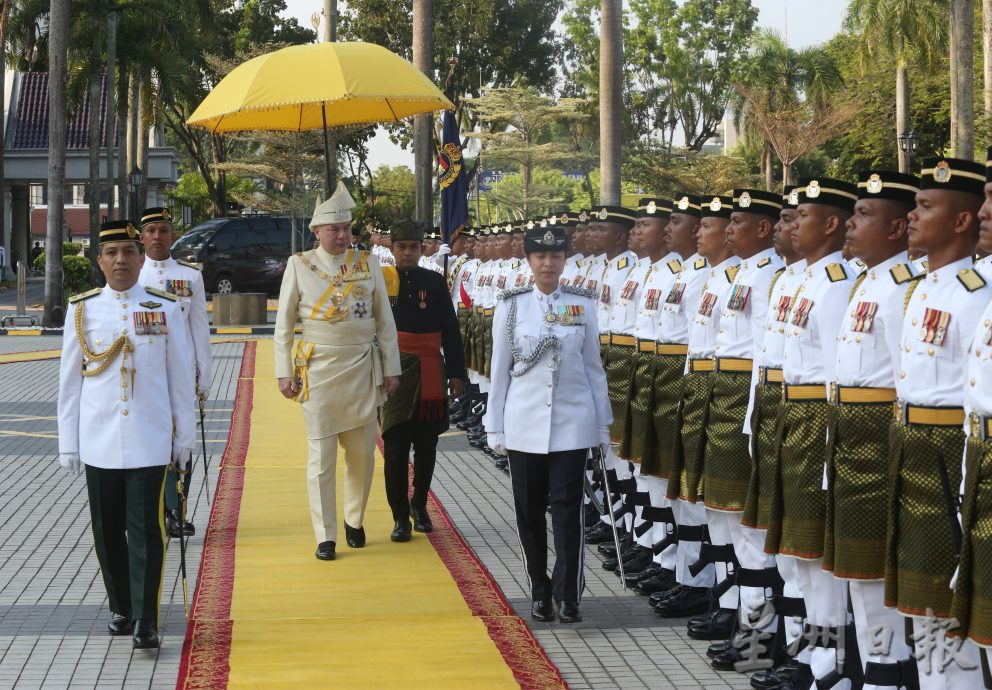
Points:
(327, 154)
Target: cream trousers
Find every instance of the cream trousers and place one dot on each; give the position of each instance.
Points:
(359, 460)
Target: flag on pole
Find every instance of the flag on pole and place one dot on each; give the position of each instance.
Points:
(452, 177)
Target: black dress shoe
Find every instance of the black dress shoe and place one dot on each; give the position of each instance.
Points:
(632, 579)
(120, 625)
(325, 550)
(720, 626)
(658, 598)
(145, 635)
(568, 612)
(599, 534)
(690, 601)
(421, 520)
(355, 536)
(772, 678)
(663, 581)
(542, 611)
(172, 526)
(502, 462)
(401, 531)
(800, 679)
(637, 562)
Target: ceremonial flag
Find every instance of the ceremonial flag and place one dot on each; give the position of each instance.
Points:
(452, 177)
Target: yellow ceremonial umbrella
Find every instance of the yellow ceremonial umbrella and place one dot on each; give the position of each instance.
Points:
(307, 87)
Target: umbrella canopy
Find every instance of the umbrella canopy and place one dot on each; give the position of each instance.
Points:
(302, 88)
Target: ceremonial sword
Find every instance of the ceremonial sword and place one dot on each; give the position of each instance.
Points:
(599, 457)
(182, 531)
(203, 444)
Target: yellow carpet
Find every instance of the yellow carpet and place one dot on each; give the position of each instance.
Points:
(34, 356)
(386, 616)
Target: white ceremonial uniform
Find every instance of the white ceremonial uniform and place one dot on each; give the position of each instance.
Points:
(186, 283)
(624, 311)
(615, 273)
(984, 266)
(867, 355)
(810, 357)
(126, 420)
(857, 265)
(348, 345)
(592, 275)
(462, 274)
(573, 266)
(547, 408)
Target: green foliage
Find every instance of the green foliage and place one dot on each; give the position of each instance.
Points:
(655, 170)
(392, 196)
(192, 191)
(71, 248)
(76, 275)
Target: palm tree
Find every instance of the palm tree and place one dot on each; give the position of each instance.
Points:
(907, 30)
(610, 99)
(962, 78)
(423, 125)
(58, 39)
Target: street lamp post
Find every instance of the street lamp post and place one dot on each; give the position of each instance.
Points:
(134, 181)
(908, 143)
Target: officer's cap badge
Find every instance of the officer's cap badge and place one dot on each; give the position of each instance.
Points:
(813, 189)
(548, 239)
(794, 197)
(652, 207)
(942, 172)
(683, 203)
(875, 184)
(716, 204)
(603, 214)
(744, 201)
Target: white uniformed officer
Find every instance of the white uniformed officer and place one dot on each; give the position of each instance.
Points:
(126, 412)
(183, 280)
(547, 407)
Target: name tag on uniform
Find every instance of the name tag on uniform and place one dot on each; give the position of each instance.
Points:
(149, 323)
(706, 304)
(738, 297)
(800, 315)
(604, 296)
(864, 315)
(629, 288)
(675, 296)
(652, 298)
(179, 288)
(782, 310)
(935, 324)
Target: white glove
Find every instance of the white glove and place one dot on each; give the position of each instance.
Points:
(181, 457)
(71, 463)
(954, 578)
(604, 436)
(497, 442)
(442, 251)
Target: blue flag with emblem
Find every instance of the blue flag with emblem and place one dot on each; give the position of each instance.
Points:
(452, 176)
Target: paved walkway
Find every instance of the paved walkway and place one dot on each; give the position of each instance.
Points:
(53, 607)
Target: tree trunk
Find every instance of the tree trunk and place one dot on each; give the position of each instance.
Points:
(123, 103)
(902, 109)
(786, 173)
(110, 111)
(610, 75)
(58, 39)
(132, 144)
(423, 125)
(962, 78)
(94, 181)
(987, 53)
(4, 14)
(144, 125)
(330, 36)
(768, 166)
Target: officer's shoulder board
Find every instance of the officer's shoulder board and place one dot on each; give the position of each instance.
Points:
(901, 273)
(971, 279)
(187, 264)
(582, 292)
(836, 273)
(579, 262)
(84, 295)
(161, 293)
(731, 273)
(514, 292)
(699, 264)
(764, 262)
(674, 265)
(623, 263)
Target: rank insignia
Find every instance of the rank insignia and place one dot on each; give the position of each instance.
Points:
(150, 323)
(706, 304)
(675, 296)
(674, 266)
(738, 297)
(605, 296)
(629, 288)
(150, 305)
(864, 315)
(935, 324)
(782, 310)
(652, 298)
(623, 263)
(699, 264)
(179, 288)
(800, 315)
(360, 310)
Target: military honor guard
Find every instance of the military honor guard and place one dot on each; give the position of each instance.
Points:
(185, 282)
(548, 406)
(342, 368)
(417, 412)
(924, 531)
(125, 413)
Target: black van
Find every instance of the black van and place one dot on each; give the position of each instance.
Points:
(241, 254)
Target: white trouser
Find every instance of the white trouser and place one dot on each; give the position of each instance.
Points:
(691, 515)
(642, 487)
(484, 384)
(826, 606)
(749, 545)
(359, 458)
(657, 488)
(720, 523)
(622, 469)
(793, 590)
(880, 630)
(953, 676)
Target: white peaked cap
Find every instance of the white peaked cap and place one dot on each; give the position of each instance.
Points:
(337, 209)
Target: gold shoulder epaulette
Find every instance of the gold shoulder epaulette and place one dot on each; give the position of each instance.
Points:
(623, 262)
(187, 264)
(84, 295)
(971, 279)
(901, 273)
(161, 293)
(764, 262)
(700, 264)
(674, 265)
(836, 273)
(731, 273)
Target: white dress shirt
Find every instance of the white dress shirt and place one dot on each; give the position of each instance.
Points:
(704, 323)
(682, 301)
(745, 308)
(658, 282)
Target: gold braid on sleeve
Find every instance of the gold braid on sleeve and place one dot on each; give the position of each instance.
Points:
(104, 359)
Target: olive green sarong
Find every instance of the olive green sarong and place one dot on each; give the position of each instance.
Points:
(727, 465)
(972, 602)
(764, 454)
(638, 442)
(667, 396)
(687, 462)
(619, 365)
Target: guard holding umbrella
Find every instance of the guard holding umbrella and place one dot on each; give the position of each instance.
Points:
(548, 406)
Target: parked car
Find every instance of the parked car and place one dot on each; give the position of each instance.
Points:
(241, 254)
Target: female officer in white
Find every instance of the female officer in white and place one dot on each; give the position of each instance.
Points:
(547, 407)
